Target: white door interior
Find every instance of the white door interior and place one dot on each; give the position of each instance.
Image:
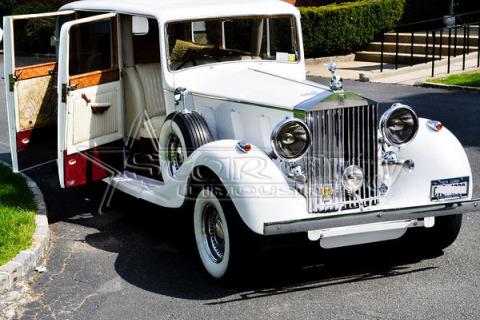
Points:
(90, 100)
(30, 64)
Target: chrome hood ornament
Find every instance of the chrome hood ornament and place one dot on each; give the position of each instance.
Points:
(336, 82)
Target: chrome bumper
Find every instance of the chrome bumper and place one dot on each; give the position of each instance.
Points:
(409, 213)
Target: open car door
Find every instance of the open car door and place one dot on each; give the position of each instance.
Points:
(30, 83)
(90, 101)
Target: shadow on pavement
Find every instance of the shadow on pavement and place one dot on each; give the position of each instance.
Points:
(155, 252)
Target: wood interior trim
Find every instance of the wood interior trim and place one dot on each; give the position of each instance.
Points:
(35, 71)
(94, 78)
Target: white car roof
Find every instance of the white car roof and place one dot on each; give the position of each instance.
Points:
(171, 10)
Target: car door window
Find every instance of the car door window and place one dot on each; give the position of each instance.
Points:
(91, 47)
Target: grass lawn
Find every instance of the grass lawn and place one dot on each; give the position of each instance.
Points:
(469, 79)
(17, 215)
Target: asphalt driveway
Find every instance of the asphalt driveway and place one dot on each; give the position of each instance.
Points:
(134, 261)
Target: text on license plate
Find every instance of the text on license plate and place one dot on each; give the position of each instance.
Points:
(453, 188)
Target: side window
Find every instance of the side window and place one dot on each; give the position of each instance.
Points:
(146, 46)
(32, 41)
(92, 47)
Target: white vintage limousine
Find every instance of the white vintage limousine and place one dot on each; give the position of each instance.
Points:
(205, 105)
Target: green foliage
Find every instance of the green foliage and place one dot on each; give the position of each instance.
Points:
(33, 35)
(6, 7)
(17, 215)
(342, 28)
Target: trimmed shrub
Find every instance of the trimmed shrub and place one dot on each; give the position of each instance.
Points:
(342, 28)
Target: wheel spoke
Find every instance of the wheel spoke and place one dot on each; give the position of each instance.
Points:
(214, 241)
(174, 154)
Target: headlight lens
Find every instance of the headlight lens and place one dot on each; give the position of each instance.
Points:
(352, 179)
(399, 124)
(291, 139)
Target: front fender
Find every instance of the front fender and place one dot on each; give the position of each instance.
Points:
(253, 181)
(437, 155)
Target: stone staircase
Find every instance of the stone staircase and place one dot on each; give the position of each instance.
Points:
(421, 46)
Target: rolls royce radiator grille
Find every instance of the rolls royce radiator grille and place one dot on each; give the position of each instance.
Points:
(341, 137)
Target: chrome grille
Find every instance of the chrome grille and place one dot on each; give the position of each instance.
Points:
(341, 137)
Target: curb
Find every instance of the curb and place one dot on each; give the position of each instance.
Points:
(422, 67)
(346, 58)
(446, 86)
(20, 266)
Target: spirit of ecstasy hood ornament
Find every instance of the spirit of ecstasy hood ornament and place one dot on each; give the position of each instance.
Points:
(336, 82)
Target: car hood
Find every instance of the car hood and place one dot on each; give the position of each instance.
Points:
(257, 87)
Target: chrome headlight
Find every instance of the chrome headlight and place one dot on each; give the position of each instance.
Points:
(399, 124)
(291, 139)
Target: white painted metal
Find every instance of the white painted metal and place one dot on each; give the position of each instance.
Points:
(9, 68)
(347, 236)
(65, 132)
(174, 10)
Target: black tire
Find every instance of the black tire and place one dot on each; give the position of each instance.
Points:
(181, 131)
(194, 129)
(437, 238)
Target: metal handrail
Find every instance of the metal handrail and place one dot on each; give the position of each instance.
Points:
(434, 33)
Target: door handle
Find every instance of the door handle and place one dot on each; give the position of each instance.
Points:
(97, 107)
(100, 107)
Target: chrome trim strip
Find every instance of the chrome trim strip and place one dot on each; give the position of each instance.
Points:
(408, 213)
(314, 85)
(313, 101)
(220, 98)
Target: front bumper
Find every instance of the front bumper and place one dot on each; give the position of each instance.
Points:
(409, 213)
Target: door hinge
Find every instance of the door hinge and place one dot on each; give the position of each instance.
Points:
(65, 90)
(11, 82)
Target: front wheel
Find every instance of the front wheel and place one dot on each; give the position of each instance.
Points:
(212, 234)
(225, 245)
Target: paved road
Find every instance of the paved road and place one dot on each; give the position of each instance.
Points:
(132, 263)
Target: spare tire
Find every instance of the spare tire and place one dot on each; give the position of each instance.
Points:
(181, 134)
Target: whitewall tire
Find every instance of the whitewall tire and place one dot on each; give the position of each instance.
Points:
(212, 234)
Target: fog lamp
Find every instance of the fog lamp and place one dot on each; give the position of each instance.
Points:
(352, 179)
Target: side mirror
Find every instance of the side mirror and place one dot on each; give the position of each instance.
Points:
(139, 26)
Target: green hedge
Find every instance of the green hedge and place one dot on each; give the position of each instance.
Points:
(33, 36)
(342, 28)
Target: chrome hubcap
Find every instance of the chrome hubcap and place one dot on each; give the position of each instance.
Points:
(213, 233)
(174, 154)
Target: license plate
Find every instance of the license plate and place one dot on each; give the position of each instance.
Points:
(446, 189)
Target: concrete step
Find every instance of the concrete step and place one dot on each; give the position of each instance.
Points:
(388, 57)
(417, 48)
(421, 38)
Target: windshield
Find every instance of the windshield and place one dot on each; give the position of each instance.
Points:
(194, 43)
